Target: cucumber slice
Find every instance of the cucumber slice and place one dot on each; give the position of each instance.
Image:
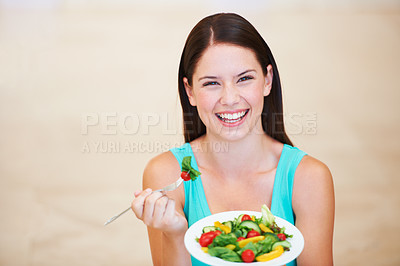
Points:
(251, 225)
(273, 237)
(284, 244)
(209, 229)
(229, 224)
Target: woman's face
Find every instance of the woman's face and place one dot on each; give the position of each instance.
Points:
(228, 89)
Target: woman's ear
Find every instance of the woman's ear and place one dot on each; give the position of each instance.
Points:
(268, 80)
(189, 92)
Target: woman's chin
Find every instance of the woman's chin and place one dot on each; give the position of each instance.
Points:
(231, 134)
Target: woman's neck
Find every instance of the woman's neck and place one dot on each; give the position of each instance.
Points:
(254, 153)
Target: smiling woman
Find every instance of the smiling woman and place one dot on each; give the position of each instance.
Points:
(229, 103)
(231, 95)
(235, 31)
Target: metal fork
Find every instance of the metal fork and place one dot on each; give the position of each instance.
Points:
(170, 187)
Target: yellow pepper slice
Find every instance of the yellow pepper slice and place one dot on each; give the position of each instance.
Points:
(205, 249)
(271, 255)
(265, 229)
(255, 239)
(230, 246)
(223, 227)
(253, 218)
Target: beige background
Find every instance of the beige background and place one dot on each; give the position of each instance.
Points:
(63, 63)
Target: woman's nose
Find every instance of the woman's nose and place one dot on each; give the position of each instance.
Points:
(230, 95)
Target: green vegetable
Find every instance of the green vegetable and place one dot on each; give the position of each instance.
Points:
(223, 240)
(238, 233)
(233, 235)
(271, 237)
(209, 228)
(253, 247)
(187, 167)
(267, 243)
(244, 231)
(224, 253)
(267, 217)
(284, 244)
(249, 224)
(229, 224)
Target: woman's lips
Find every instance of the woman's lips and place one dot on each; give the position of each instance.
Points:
(232, 118)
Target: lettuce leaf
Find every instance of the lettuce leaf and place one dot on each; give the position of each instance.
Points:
(267, 242)
(267, 217)
(224, 253)
(187, 167)
(223, 240)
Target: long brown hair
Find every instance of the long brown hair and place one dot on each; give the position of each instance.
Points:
(232, 29)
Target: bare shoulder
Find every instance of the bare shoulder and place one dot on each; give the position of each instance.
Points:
(311, 170)
(313, 184)
(161, 171)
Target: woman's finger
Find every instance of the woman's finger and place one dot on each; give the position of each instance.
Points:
(169, 211)
(137, 192)
(137, 205)
(149, 207)
(159, 210)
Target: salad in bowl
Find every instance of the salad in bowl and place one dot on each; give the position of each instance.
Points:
(244, 237)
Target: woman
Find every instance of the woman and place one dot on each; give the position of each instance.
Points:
(231, 98)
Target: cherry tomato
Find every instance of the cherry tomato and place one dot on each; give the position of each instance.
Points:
(252, 233)
(217, 232)
(240, 238)
(281, 236)
(248, 255)
(207, 238)
(185, 176)
(246, 217)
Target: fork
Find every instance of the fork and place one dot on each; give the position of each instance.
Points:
(170, 187)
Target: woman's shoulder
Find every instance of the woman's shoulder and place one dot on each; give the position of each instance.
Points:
(161, 170)
(310, 167)
(312, 178)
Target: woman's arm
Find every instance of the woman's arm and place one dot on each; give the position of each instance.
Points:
(163, 214)
(314, 206)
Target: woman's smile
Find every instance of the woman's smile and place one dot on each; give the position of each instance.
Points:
(232, 118)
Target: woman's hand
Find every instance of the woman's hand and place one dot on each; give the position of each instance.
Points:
(163, 214)
(157, 211)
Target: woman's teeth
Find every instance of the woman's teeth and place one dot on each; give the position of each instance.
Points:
(231, 118)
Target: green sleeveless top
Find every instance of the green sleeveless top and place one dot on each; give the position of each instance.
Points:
(196, 206)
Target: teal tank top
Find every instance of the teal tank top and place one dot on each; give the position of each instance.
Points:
(196, 206)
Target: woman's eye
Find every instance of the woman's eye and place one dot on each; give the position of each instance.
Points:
(210, 83)
(245, 78)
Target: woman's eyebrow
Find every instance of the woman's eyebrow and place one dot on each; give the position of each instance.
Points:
(208, 77)
(249, 70)
(214, 77)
